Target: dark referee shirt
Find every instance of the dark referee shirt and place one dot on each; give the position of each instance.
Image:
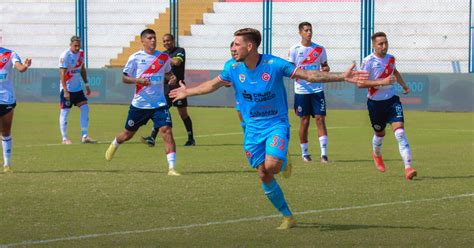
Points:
(180, 54)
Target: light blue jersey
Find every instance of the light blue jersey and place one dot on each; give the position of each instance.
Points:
(260, 92)
(263, 105)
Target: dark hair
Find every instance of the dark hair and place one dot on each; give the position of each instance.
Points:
(378, 34)
(250, 34)
(147, 31)
(300, 27)
(169, 35)
(75, 38)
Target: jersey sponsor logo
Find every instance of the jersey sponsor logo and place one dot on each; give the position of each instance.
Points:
(266, 77)
(258, 97)
(241, 78)
(255, 114)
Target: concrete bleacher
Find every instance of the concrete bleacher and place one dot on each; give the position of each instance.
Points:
(425, 36)
(41, 29)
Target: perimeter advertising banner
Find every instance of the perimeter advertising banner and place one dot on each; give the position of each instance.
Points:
(431, 92)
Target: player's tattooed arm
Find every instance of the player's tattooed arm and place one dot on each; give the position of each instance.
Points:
(203, 88)
(376, 83)
(320, 76)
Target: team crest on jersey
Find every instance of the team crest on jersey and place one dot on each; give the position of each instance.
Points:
(315, 54)
(391, 65)
(266, 77)
(160, 62)
(4, 60)
(241, 78)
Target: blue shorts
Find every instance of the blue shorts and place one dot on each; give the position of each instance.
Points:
(385, 111)
(273, 141)
(75, 98)
(138, 117)
(6, 108)
(310, 104)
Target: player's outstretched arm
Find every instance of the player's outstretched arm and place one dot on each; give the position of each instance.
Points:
(203, 88)
(402, 83)
(321, 76)
(375, 83)
(23, 67)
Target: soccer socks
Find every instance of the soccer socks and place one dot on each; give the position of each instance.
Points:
(403, 146)
(84, 119)
(323, 143)
(377, 145)
(304, 149)
(171, 160)
(63, 122)
(275, 195)
(7, 150)
(189, 127)
(154, 133)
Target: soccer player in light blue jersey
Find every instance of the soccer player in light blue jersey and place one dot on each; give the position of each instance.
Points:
(258, 83)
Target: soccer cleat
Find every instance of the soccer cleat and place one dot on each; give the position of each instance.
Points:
(173, 172)
(150, 141)
(190, 142)
(410, 173)
(7, 169)
(378, 162)
(88, 140)
(324, 159)
(306, 158)
(288, 222)
(67, 142)
(109, 154)
(289, 166)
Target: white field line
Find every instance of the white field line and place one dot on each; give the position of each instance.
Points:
(249, 219)
(238, 133)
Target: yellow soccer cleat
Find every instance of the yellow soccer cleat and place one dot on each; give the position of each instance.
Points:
(173, 172)
(7, 169)
(109, 154)
(288, 222)
(289, 166)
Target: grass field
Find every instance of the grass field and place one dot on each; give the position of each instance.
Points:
(69, 196)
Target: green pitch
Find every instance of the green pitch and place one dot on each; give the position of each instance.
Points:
(69, 196)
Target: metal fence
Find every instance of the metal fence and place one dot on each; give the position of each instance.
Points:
(425, 35)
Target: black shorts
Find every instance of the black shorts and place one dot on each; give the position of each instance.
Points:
(6, 108)
(74, 99)
(385, 111)
(180, 103)
(138, 117)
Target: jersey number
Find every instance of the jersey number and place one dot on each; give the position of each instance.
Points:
(277, 140)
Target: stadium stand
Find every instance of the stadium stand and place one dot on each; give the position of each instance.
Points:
(425, 36)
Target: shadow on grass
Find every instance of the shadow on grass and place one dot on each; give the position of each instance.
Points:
(341, 227)
(445, 177)
(133, 172)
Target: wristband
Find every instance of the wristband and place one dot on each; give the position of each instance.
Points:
(86, 84)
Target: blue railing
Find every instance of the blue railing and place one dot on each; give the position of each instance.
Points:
(267, 26)
(81, 27)
(471, 40)
(367, 14)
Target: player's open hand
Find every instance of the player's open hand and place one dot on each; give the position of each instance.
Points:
(27, 62)
(144, 81)
(354, 76)
(178, 93)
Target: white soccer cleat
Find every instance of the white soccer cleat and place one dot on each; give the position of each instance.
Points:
(173, 172)
(109, 154)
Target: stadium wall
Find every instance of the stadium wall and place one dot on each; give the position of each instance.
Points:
(429, 91)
